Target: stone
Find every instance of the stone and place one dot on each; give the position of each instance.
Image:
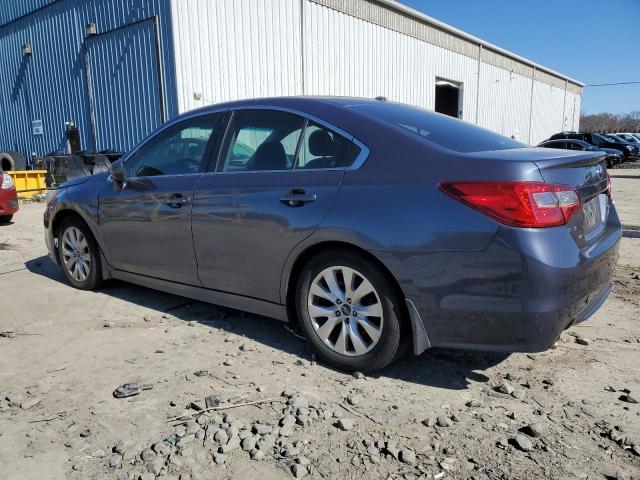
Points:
(286, 431)
(161, 448)
(429, 422)
(302, 460)
(221, 436)
(354, 400)
(256, 455)
(518, 393)
(474, 403)
(30, 403)
(147, 455)
(298, 470)
(523, 443)
(227, 363)
(14, 398)
(266, 443)
(219, 458)
(456, 418)
(155, 466)
(443, 421)
(582, 341)
(147, 476)
(344, 424)
(115, 461)
(629, 398)
(232, 444)
(536, 429)
(261, 429)
(408, 456)
(506, 388)
(249, 443)
(358, 375)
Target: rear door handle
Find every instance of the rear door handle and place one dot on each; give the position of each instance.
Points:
(298, 197)
(177, 200)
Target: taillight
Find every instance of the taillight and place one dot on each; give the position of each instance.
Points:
(520, 204)
(608, 185)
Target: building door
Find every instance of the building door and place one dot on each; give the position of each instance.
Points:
(125, 85)
(448, 98)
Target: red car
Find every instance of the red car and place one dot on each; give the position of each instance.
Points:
(8, 198)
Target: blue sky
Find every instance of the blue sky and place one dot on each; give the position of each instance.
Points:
(594, 41)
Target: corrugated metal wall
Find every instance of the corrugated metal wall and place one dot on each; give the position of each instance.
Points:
(232, 49)
(11, 10)
(51, 84)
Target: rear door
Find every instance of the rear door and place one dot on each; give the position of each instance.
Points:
(146, 226)
(277, 176)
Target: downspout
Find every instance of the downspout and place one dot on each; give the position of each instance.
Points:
(478, 88)
(533, 81)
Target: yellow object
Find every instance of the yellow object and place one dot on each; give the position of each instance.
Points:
(29, 182)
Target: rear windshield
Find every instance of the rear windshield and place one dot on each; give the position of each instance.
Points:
(447, 132)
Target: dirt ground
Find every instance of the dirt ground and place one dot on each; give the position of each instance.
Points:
(442, 415)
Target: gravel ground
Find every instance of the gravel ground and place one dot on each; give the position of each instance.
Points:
(567, 413)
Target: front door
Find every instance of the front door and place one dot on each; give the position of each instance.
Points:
(146, 227)
(277, 176)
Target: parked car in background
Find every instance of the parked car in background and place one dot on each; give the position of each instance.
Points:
(614, 157)
(598, 140)
(629, 137)
(378, 227)
(8, 198)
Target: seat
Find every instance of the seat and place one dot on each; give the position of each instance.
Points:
(269, 156)
(321, 145)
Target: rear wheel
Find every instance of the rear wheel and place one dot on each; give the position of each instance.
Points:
(349, 310)
(5, 218)
(79, 255)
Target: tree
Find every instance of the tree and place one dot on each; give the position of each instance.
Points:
(610, 123)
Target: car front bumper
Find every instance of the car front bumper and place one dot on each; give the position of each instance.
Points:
(519, 294)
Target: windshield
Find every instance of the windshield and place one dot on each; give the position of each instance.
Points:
(442, 130)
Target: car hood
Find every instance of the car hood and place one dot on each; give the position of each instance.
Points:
(97, 178)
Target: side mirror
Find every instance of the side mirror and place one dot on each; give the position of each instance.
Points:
(117, 174)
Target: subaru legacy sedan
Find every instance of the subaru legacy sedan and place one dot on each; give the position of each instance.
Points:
(379, 228)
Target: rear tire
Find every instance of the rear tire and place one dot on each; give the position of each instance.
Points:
(342, 336)
(5, 218)
(79, 255)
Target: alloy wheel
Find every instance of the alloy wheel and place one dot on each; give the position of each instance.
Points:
(345, 310)
(75, 254)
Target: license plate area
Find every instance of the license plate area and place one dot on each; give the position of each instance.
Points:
(595, 214)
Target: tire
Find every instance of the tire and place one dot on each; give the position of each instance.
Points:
(79, 251)
(12, 161)
(327, 334)
(5, 218)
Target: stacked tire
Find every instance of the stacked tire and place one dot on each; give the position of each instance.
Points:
(12, 161)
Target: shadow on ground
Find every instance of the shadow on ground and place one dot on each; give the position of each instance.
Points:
(443, 368)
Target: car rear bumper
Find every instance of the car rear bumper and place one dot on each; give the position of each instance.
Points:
(517, 295)
(8, 201)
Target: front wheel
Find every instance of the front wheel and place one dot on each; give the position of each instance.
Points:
(5, 218)
(79, 255)
(349, 310)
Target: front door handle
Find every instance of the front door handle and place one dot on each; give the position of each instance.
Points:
(177, 200)
(298, 197)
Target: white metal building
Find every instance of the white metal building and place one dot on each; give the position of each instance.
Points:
(232, 49)
(118, 69)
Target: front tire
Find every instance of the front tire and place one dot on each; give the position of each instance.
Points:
(79, 255)
(349, 310)
(5, 218)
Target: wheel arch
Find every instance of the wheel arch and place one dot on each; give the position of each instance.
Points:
(413, 332)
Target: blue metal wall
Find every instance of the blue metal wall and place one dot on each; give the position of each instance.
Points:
(51, 84)
(11, 10)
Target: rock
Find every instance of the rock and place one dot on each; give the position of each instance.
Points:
(298, 470)
(358, 375)
(115, 461)
(85, 433)
(474, 403)
(443, 421)
(582, 341)
(30, 403)
(456, 418)
(548, 381)
(536, 429)
(506, 388)
(155, 466)
(219, 458)
(248, 443)
(344, 424)
(213, 401)
(429, 422)
(629, 398)
(299, 402)
(518, 393)
(161, 448)
(408, 456)
(302, 460)
(288, 392)
(354, 399)
(261, 429)
(147, 455)
(221, 436)
(267, 442)
(286, 431)
(449, 451)
(523, 443)
(15, 399)
(232, 444)
(227, 363)
(256, 455)
(201, 373)
(147, 476)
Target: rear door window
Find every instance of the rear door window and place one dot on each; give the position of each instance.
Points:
(322, 148)
(441, 130)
